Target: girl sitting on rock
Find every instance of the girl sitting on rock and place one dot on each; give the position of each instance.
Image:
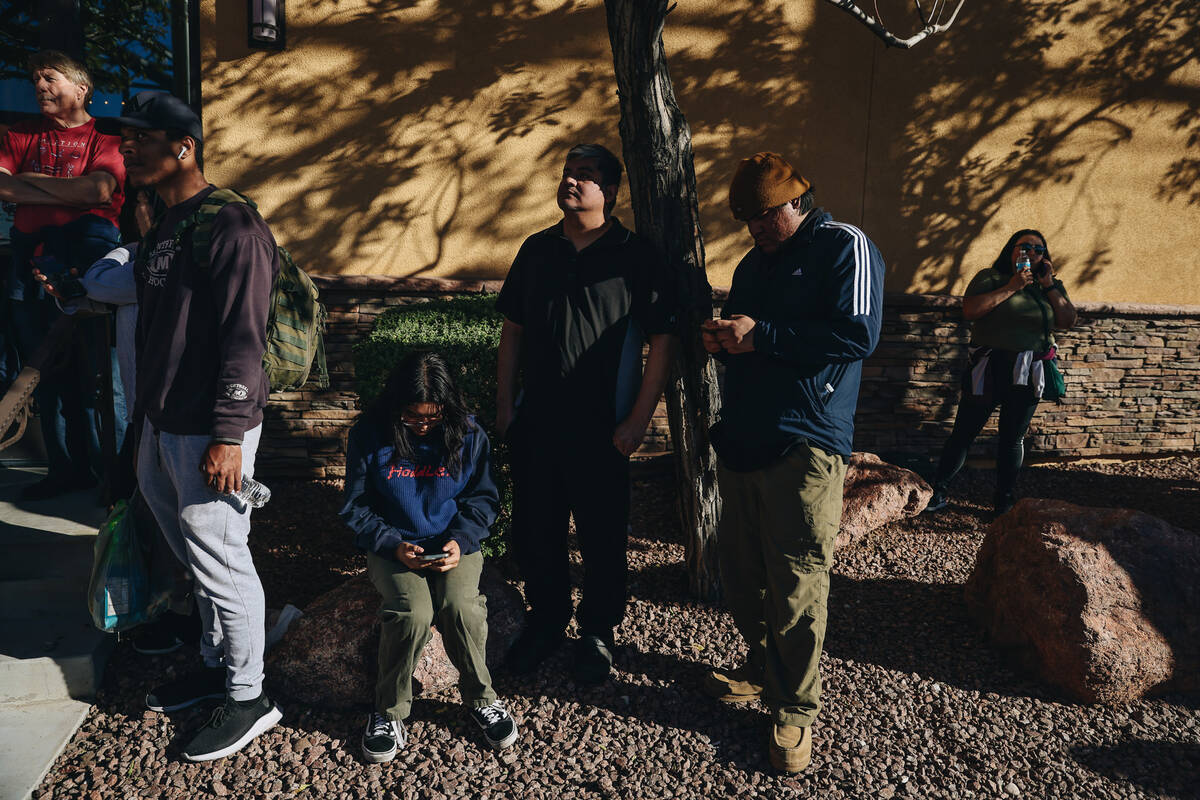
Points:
(420, 498)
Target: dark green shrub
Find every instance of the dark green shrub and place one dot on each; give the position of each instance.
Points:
(466, 331)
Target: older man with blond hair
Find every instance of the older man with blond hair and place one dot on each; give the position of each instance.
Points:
(66, 179)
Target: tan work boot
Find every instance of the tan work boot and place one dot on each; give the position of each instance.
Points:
(732, 685)
(791, 747)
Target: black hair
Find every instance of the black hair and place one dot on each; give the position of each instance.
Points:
(608, 164)
(808, 200)
(1003, 263)
(422, 377)
(177, 134)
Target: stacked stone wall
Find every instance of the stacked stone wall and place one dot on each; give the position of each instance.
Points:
(1132, 373)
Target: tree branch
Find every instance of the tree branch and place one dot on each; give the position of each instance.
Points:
(889, 38)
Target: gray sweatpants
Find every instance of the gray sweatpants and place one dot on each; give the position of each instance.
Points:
(209, 532)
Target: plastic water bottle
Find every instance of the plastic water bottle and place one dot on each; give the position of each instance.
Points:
(253, 493)
(1023, 262)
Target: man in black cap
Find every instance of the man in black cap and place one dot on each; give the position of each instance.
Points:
(204, 274)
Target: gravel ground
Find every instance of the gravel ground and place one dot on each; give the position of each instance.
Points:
(916, 704)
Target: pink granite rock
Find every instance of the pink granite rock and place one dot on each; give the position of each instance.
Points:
(1102, 602)
(328, 656)
(877, 493)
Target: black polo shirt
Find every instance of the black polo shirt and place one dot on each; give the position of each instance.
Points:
(585, 316)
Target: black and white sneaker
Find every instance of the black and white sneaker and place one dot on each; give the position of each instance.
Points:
(231, 727)
(937, 502)
(498, 726)
(383, 738)
(206, 683)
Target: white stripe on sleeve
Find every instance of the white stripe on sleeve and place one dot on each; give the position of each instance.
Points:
(861, 301)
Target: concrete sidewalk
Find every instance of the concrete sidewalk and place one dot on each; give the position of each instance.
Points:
(51, 657)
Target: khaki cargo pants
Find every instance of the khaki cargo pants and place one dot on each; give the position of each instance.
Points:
(775, 544)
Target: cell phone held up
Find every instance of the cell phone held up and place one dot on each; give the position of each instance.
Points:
(65, 284)
(430, 557)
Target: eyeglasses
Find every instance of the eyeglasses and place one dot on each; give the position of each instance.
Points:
(1037, 248)
(420, 420)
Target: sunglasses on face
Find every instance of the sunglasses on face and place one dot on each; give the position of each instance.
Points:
(1025, 247)
(420, 420)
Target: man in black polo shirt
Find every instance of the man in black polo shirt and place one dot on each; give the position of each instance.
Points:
(578, 302)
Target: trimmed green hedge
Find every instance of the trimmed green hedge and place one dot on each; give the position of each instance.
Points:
(466, 331)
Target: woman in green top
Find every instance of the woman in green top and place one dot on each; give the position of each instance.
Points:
(1015, 311)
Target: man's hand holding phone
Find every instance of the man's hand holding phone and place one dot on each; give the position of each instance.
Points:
(63, 285)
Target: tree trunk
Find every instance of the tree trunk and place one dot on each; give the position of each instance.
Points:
(657, 147)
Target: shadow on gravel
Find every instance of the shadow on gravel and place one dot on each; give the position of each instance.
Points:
(737, 734)
(301, 547)
(1171, 769)
(915, 627)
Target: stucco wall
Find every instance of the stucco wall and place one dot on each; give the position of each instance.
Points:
(424, 138)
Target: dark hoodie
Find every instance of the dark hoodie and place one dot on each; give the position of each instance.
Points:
(390, 501)
(201, 333)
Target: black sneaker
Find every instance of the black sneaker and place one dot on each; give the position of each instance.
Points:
(206, 683)
(231, 727)
(498, 726)
(593, 660)
(1004, 503)
(157, 638)
(383, 738)
(533, 646)
(937, 502)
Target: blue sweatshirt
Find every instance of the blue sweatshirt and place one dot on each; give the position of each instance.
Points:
(818, 307)
(419, 501)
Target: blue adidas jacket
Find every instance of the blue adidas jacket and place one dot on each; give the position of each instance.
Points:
(818, 307)
(417, 501)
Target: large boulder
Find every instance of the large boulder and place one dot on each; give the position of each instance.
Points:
(328, 656)
(877, 493)
(1102, 602)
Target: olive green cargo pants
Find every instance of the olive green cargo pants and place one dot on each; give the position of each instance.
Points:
(775, 544)
(413, 600)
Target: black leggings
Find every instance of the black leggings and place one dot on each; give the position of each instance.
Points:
(1017, 404)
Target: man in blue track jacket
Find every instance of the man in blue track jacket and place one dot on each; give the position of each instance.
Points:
(803, 311)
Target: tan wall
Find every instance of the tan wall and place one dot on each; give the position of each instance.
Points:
(426, 140)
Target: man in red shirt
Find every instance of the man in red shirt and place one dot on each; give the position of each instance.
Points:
(67, 181)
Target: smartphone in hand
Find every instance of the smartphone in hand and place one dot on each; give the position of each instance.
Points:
(67, 285)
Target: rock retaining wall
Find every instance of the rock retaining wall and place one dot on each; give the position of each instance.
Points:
(1132, 373)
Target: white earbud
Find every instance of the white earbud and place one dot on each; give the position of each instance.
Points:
(182, 153)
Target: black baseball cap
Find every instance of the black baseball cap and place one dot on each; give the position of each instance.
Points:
(154, 110)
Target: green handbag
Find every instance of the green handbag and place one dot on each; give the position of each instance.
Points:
(1055, 386)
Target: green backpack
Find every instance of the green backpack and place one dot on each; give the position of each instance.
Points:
(295, 345)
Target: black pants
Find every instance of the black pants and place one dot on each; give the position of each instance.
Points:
(1017, 404)
(557, 473)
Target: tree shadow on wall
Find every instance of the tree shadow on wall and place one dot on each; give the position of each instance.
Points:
(936, 181)
(987, 74)
(415, 135)
(422, 102)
